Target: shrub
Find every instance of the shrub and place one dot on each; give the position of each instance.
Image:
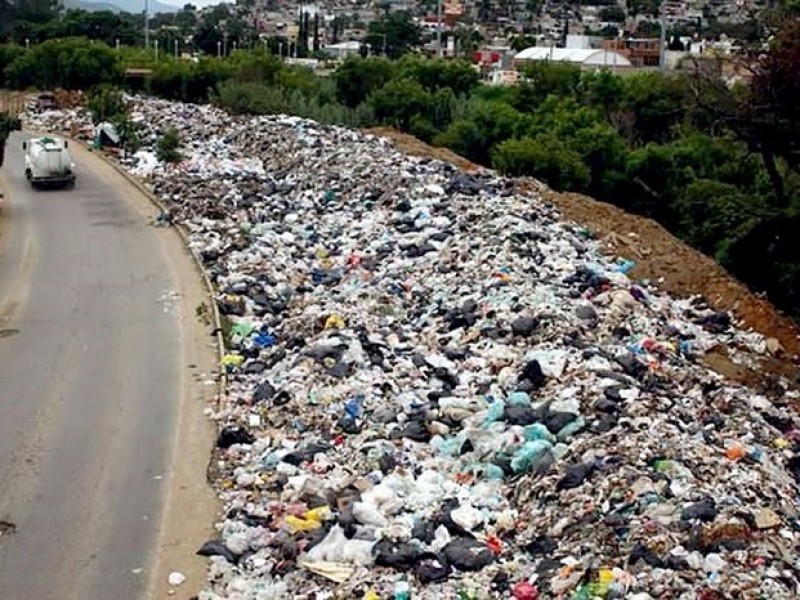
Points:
(167, 147)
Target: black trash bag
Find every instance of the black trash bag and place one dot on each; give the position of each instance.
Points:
(468, 554)
(705, 511)
(397, 555)
(432, 567)
(234, 434)
(217, 548)
(640, 551)
(306, 452)
(521, 415)
(524, 326)
(349, 425)
(556, 421)
(424, 531)
(586, 313)
(281, 398)
(631, 365)
(793, 466)
(574, 475)
(417, 431)
(533, 374)
(541, 545)
(716, 323)
(264, 391)
(442, 517)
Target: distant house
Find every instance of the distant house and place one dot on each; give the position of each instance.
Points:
(342, 50)
(586, 58)
(642, 52)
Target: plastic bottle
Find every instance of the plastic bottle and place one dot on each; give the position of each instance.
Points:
(402, 591)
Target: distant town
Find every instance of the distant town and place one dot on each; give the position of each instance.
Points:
(497, 36)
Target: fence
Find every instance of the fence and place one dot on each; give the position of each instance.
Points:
(12, 103)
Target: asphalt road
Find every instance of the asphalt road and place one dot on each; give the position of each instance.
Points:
(89, 389)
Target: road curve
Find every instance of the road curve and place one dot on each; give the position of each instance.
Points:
(90, 382)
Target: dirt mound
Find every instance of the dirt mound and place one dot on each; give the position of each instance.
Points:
(664, 260)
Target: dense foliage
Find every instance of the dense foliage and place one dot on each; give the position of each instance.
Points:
(717, 164)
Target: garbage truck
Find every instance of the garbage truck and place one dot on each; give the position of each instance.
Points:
(48, 162)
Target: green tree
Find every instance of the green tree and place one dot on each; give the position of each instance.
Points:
(436, 74)
(648, 29)
(614, 14)
(8, 54)
(396, 33)
(103, 25)
(643, 7)
(128, 133)
(24, 15)
(658, 103)
(168, 147)
(714, 214)
(397, 102)
(542, 79)
(601, 89)
(72, 63)
(483, 125)
(358, 77)
(106, 103)
(544, 157)
(520, 42)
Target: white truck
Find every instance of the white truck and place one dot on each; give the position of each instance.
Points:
(48, 162)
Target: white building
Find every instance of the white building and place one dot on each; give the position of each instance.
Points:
(342, 50)
(589, 58)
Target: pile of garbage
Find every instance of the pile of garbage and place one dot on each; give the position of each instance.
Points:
(440, 389)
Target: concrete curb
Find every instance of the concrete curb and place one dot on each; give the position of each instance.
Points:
(183, 233)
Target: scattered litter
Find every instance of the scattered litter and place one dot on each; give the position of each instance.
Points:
(440, 389)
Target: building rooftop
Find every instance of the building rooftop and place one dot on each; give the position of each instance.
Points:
(584, 56)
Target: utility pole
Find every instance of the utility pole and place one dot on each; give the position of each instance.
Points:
(662, 42)
(146, 25)
(439, 28)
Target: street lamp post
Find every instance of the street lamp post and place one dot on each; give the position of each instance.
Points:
(439, 28)
(146, 25)
(156, 47)
(219, 49)
(176, 48)
(662, 41)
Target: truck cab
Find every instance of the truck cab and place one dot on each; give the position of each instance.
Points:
(48, 162)
(46, 101)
